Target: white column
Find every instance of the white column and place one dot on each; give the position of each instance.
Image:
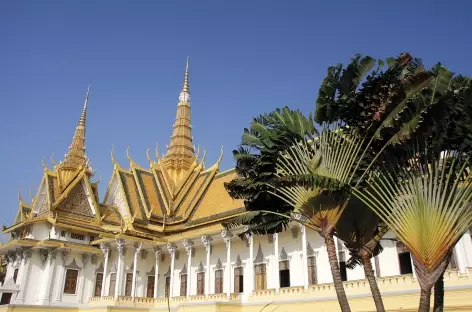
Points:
(24, 270)
(60, 276)
(137, 249)
(460, 258)
(250, 242)
(80, 293)
(188, 245)
(47, 275)
(206, 240)
(304, 257)
(106, 252)
(226, 235)
(467, 244)
(157, 252)
(276, 263)
(172, 248)
(120, 246)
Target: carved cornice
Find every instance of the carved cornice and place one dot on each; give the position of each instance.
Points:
(206, 240)
(137, 248)
(226, 235)
(171, 247)
(188, 245)
(157, 251)
(105, 248)
(120, 245)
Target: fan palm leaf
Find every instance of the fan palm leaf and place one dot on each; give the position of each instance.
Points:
(427, 206)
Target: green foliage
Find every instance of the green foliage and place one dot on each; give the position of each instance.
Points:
(261, 144)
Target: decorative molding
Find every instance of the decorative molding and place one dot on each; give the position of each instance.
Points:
(10, 284)
(120, 245)
(259, 256)
(238, 262)
(184, 269)
(171, 247)
(226, 235)
(152, 271)
(105, 248)
(93, 259)
(200, 268)
(294, 231)
(85, 258)
(114, 267)
(73, 265)
(48, 255)
(206, 240)
(219, 265)
(283, 255)
(309, 250)
(157, 251)
(137, 247)
(299, 217)
(100, 268)
(177, 254)
(188, 245)
(64, 255)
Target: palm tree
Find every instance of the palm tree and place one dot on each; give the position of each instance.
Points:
(427, 205)
(361, 230)
(313, 176)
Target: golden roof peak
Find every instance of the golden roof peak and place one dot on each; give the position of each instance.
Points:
(75, 157)
(180, 151)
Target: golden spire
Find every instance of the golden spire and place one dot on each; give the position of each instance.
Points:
(180, 151)
(75, 157)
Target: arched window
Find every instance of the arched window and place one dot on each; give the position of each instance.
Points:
(183, 281)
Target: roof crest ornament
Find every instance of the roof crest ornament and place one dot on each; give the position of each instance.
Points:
(113, 154)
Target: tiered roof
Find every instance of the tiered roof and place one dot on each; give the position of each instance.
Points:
(175, 194)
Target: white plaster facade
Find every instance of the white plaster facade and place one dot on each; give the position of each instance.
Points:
(41, 271)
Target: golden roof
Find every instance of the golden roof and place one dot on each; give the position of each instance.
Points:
(176, 194)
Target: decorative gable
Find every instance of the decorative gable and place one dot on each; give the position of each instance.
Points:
(283, 255)
(219, 266)
(238, 262)
(260, 256)
(77, 202)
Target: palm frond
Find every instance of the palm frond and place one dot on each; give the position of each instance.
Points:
(427, 205)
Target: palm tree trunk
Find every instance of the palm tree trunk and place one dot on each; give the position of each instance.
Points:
(374, 288)
(425, 299)
(338, 283)
(439, 295)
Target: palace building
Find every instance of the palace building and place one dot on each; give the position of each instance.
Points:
(157, 233)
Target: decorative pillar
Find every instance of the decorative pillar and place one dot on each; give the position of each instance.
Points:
(49, 256)
(304, 257)
(137, 249)
(206, 240)
(172, 248)
(157, 252)
(226, 235)
(106, 253)
(250, 243)
(24, 269)
(60, 275)
(80, 294)
(120, 246)
(467, 247)
(188, 245)
(460, 257)
(276, 262)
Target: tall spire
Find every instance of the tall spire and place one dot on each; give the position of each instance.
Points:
(185, 93)
(180, 151)
(75, 157)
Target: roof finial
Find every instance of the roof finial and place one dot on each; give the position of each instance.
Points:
(75, 157)
(185, 93)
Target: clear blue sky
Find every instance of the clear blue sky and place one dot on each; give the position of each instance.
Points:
(246, 57)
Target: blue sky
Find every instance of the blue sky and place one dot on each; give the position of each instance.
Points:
(246, 57)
